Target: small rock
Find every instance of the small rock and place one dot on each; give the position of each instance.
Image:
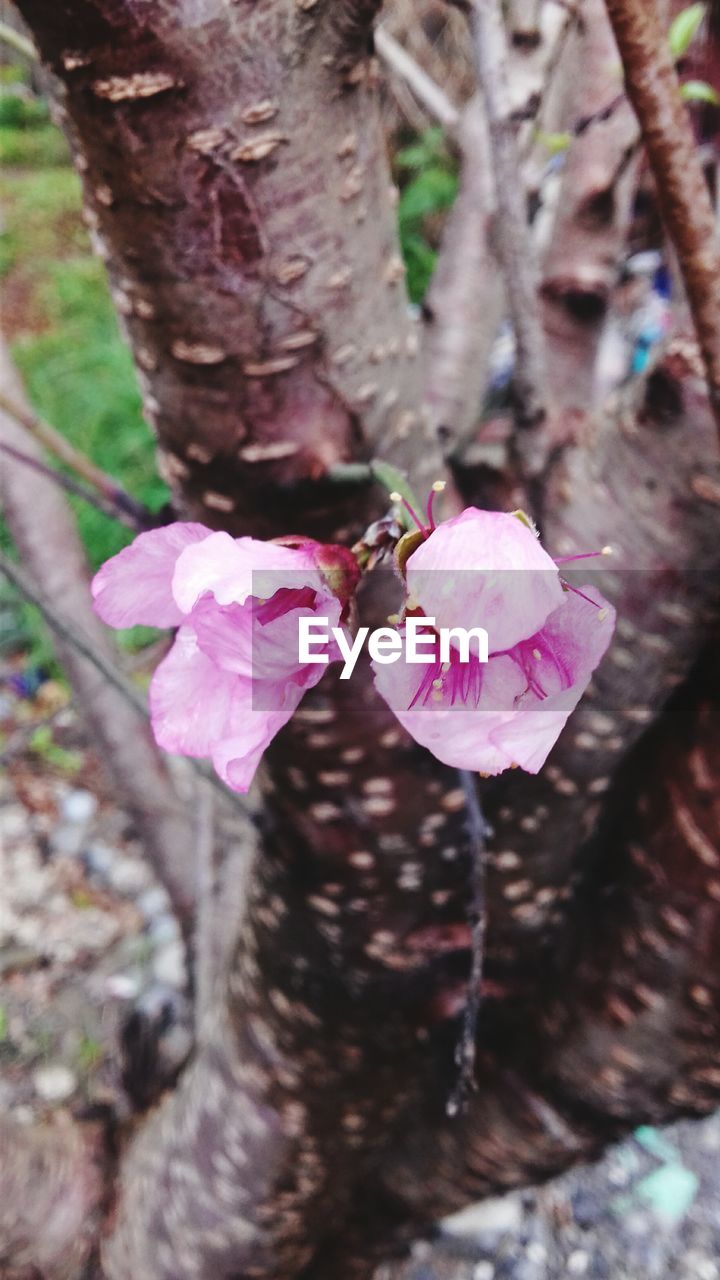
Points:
(154, 902)
(78, 807)
(578, 1262)
(587, 1208)
(54, 1082)
(164, 929)
(126, 876)
(169, 964)
(701, 1267)
(99, 858)
(14, 822)
(490, 1218)
(122, 986)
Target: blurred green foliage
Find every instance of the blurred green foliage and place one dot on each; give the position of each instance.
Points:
(427, 174)
(65, 337)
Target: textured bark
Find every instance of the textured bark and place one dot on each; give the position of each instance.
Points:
(53, 1188)
(594, 207)
(237, 183)
(514, 244)
(465, 300)
(653, 88)
(317, 1097)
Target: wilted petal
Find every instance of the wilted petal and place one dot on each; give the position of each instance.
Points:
(135, 586)
(487, 569)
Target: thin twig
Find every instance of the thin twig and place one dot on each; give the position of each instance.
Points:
(84, 646)
(428, 93)
(57, 444)
(15, 40)
(72, 486)
(653, 88)
(466, 1052)
(514, 245)
(70, 634)
(205, 949)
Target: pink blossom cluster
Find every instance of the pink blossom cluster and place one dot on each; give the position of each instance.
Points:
(233, 676)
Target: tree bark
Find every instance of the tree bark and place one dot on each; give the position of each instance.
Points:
(654, 89)
(234, 166)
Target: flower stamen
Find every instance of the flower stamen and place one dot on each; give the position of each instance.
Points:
(398, 497)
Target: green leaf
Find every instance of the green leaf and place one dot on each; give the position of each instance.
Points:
(426, 150)
(684, 28)
(699, 91)
(3, 1024)
(431, 191)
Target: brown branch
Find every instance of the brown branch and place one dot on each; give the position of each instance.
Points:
(57, 444)
(594, 208)
(524, 23)
(429, 94)
(47, 541)
(464, 305)
(512, 232)
(69, 485)
(464, 302)
(653, 88)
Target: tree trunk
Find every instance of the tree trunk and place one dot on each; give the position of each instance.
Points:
(236, 177)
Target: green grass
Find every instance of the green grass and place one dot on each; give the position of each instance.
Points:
(65, 339)
(80, 377)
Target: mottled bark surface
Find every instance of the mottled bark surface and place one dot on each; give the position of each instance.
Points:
(653, 89)
(236, 175)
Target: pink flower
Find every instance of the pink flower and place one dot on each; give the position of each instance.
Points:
(488, 569)
(232, 678)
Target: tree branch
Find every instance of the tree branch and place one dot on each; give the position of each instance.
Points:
(57, 444)
(464, 302)
(513, 240)
(428, 93)
(47, 541)
(653, 88)
(594, 208)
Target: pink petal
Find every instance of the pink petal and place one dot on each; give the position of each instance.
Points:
(487, 569)
(199, 709)
(234, 637)
(507, 722)
(236, 759)
(135, 587)
(577, 636)
(193, 702)
(232, 569)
